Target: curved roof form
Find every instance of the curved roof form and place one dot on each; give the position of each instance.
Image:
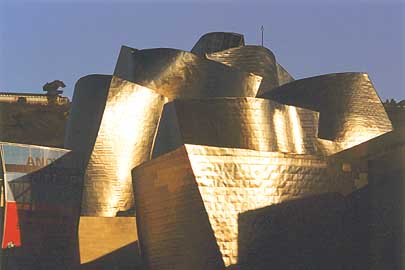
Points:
(350, 110)
(217, 41)
(179, 74)
(254, 59)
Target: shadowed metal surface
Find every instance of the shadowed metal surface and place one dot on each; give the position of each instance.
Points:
(217, 41)
(46, 187)
(87, 109)
(249, 123)
(179, 74)
(350, 110)
(283, 76)
(124, 140)
(177, 193)
(255, 59)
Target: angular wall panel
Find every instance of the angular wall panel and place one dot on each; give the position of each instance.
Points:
(197, 192)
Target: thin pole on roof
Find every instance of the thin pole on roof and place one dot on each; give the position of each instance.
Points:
(262, 29)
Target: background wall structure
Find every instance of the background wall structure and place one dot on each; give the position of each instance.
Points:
(38, 123)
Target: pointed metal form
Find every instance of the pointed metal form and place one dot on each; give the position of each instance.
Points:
(283, 76)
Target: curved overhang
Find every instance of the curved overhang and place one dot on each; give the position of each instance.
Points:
(350, 110)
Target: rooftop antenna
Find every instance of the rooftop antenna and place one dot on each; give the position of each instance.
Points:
(262, 29)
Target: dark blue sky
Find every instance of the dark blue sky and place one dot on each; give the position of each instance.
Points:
(45, 40)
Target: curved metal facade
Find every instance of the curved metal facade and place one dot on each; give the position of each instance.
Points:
(179, 74)
(248, 123)
(217, 41)
(124, 140)
(87, 109)
(254, 59)
(350, 110)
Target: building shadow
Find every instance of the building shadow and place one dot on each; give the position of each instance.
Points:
(359, 232)
(306, 233)
(127, 257)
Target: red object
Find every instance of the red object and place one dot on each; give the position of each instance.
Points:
(11, 233)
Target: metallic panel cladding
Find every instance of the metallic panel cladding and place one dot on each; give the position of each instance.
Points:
(179, 74)
(254, 59)
(124, 140)
(196, 193)
(249, 123)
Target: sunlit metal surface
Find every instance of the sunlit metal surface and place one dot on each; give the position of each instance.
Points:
(179, 74)
(127, 114)
(350, 110)
(128, 117)
(255, 59)
(248, 123)
(217, 41)
(188, 200)
(124, 140)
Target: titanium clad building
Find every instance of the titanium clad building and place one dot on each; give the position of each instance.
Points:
(211, 159)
